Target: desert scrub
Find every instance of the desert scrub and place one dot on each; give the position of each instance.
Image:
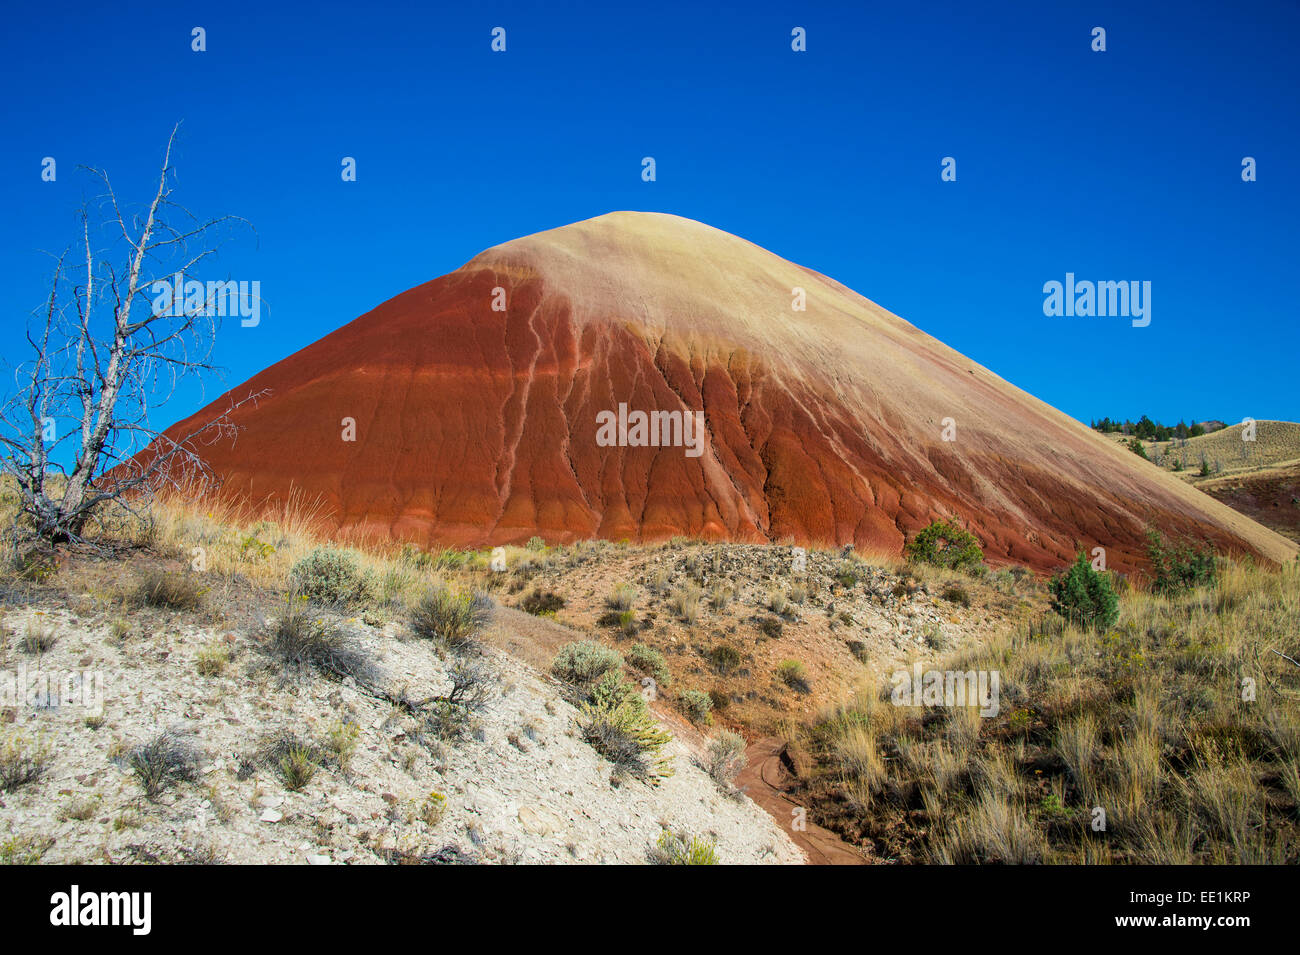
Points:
(725, 758)
(583, 662)
(933, 636)
(433, 809)
(771, 627)
(618, 724)
(624, 621)
(212, 660)
(163, 762)
(542, 603)
(680, 848)
(1145, 719)
(331, 577)
(1084, 596)
(778, 603)
(724, 658)
(24, 850)
(298, 767)
(955, 593)
(649, 661)
(169, 591)
(303, 642)
(793, 674)
(944, 544)
(38, 637)
(846, 573)
(697, 705)
(720, 595)
(451, 620)
(621, 597)
(685, 602)
(341, 743)
(21, 761)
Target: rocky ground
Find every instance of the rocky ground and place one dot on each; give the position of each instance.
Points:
(519, 786)
(848, 621)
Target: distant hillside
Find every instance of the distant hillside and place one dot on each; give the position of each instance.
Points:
(1260, 478)
(1275, 444)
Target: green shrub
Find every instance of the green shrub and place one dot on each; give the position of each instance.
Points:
(213, 660)
(955, 593)
(535, 544)
(330, 577)
(944, 544)
(724, 658)
(298, 767)
(451, 559)
(583, 662)
(621, 620)
(697, 705)
(452, 620)
(1084, 596)
(679, 848)
(618, 724)
(650, 662)
(793, 674)
(541, 602)
(1175, 568)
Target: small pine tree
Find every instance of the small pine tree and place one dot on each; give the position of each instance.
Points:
(945, 545)
(1179, 567)
(1084, 596)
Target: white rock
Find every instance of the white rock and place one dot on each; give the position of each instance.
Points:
(270, 815)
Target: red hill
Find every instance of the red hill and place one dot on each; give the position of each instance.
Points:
(478, 427)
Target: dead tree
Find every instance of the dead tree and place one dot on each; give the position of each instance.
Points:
(102, 357)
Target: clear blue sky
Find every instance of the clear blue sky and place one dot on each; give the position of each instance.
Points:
(1117, 165)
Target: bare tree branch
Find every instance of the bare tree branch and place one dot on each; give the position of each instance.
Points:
(102, 357)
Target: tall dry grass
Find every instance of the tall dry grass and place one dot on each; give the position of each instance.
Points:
(1172, 738)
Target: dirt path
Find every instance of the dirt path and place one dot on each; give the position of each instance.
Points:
(766, 779)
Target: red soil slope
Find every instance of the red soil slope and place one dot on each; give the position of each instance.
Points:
(476, 426)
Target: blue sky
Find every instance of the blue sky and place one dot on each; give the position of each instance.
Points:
(1117, 165)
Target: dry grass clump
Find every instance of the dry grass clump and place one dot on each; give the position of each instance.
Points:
(685, 602)
(304, 642)
(169, 591)
(621, 598)
(212, 660)
(164, 761)
(1171, 738)
(21, 761)
(295, 761)
(725, 758)
(38, 637)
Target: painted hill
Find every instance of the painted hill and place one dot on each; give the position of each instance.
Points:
(478, 426)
